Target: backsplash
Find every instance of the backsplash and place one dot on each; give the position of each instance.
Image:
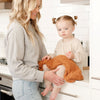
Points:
(4, 20)
(2, 48)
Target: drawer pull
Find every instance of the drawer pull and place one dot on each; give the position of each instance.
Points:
(75, 96)
(96, 78)
(6, 92)
(0, 78)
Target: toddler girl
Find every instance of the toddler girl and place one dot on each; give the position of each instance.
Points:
(67, 57)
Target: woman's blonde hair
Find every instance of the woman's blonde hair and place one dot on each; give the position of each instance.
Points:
(21, 11)
(65, 17)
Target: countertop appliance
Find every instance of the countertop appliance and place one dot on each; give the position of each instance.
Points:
(5, 82)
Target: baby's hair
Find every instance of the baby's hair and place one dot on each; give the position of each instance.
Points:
(75, 17)
(54, 20)
(65, 17)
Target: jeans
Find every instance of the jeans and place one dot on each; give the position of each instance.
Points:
(25, 90)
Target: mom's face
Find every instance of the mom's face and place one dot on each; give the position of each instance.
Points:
(36, 10)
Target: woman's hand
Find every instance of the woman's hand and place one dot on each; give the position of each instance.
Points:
(70, 55)
(46, 57)
(52, 77)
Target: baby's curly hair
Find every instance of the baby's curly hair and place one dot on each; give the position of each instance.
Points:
(65, 17)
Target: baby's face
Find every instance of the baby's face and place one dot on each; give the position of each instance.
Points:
(65, 28)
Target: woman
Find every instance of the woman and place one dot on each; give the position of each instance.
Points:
(24, 48)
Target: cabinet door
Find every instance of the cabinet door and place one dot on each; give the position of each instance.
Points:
(95, 94)
(66, 97)
(62, 97)
(95, 42)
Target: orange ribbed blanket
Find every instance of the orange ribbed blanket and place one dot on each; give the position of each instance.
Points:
(72, 71)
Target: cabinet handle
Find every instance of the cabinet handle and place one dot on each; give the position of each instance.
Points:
(75, 96)
(0, 78)
(96, 78)
(6, 92)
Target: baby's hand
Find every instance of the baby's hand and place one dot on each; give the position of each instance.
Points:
(46, 57)
(70, 55)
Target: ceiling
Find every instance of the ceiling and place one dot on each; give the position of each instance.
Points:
(81, 2)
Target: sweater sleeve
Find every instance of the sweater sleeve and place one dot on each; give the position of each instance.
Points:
(43, 51)
(15, 50)
(78, 52)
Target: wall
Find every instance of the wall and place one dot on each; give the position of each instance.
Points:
(4, 20)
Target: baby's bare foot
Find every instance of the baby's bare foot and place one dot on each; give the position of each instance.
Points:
(46, 90)
(54, 93)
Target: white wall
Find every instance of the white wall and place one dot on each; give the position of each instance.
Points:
(4, 20)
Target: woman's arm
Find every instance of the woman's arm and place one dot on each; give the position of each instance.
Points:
(15, 53)
(15, 49)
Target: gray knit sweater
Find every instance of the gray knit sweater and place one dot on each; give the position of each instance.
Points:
(22, 56)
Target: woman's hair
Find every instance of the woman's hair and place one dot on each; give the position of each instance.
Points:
(65, 17)
(21, 11)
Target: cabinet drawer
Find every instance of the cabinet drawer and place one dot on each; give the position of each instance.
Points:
(65, 97)
(78, 92)
(95, 94)
(61, 97)
(69, 88)
(72, 92)
(95, 83)
(83, 93)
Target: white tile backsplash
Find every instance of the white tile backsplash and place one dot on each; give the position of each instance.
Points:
(2, 48)
(4, 20)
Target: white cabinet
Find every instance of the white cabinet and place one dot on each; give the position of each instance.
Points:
(62, 97)
(72, 92)
(95, 49)
(76, 91)
(65, 97)
(95, 94)
(95, 40)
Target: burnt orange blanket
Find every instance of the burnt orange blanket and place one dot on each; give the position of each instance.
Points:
(72, 71)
